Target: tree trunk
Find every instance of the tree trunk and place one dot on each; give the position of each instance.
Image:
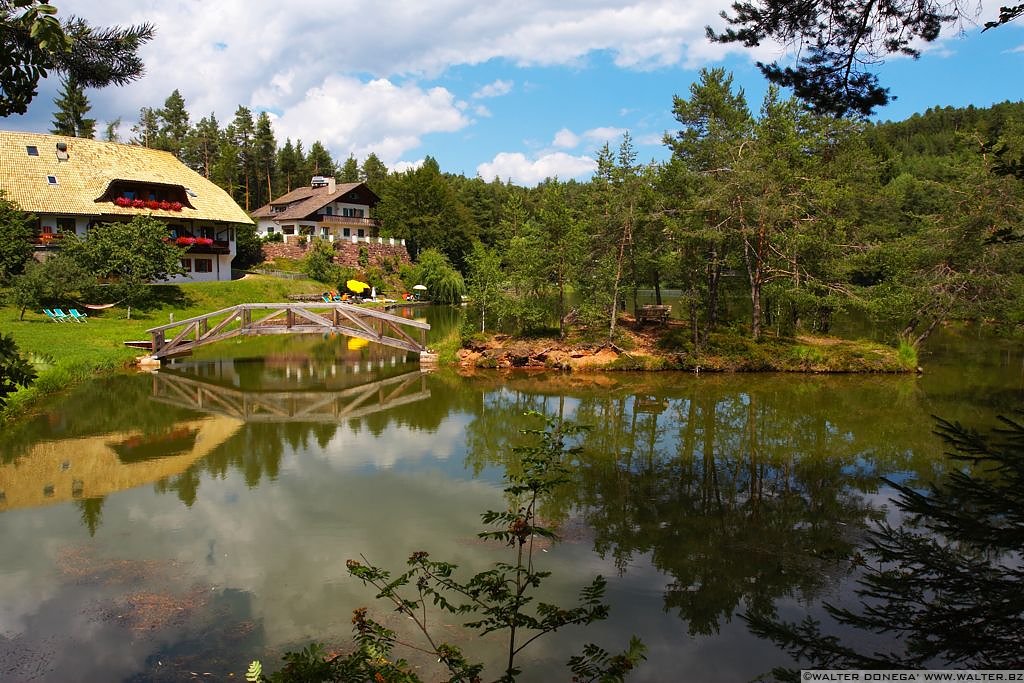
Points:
(714, 272)
(657, 287)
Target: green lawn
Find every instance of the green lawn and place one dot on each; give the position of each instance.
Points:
(69, 352)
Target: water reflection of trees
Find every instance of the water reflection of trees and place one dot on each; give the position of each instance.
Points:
(741, 496)
(943, 588)
(737, 508)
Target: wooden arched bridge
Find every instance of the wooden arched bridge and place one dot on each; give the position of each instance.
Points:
(182, 337)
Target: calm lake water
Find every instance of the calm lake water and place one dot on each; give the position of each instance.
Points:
(175, 526)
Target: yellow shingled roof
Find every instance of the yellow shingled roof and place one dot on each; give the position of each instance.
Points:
(90, 167)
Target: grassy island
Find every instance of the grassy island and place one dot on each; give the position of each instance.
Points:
(668, 347)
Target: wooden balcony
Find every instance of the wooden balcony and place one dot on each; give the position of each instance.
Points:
(348, 221)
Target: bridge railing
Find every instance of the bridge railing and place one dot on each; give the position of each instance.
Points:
(182, 336)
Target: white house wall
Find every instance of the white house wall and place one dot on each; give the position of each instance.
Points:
(221, 269)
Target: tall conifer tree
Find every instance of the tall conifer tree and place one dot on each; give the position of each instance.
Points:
(72, 107)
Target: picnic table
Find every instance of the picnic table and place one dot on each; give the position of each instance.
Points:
(653, 313)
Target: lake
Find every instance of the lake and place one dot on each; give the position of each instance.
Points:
(175, 526)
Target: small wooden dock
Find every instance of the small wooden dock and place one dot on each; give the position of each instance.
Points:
(182, 337)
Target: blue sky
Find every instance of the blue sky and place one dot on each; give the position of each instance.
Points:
(520, 90)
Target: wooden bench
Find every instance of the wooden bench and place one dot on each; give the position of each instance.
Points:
(653, 313)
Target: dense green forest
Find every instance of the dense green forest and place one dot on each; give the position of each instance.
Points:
(768, 216)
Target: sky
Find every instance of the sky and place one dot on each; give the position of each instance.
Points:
(519, 90)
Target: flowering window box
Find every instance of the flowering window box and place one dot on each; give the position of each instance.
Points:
(152, 204)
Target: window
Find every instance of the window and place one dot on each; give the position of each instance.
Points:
(32, 150)
(270, 229)
(51, 179)
(324, 232)
(65, 225)
(329, 210)
(362, 233)
(348, 232)
(186, 263)
(204, 265)
(288, 229)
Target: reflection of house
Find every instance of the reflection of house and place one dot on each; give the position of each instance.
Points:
(71, 184)
(95, 466)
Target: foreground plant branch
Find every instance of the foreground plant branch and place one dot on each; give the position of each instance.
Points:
(499, 599)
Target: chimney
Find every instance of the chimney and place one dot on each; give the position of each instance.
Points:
(324, 181)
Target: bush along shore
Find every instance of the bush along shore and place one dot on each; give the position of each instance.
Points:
(669, 347)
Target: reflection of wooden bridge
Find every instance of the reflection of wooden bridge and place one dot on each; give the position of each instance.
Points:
(290, 406)
(180, 338)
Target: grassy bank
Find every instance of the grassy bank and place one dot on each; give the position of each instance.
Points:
(65, 353)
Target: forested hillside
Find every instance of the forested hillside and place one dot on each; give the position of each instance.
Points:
(804, 216)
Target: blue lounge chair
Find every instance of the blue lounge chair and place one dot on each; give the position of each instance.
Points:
(81, 317)
(53, 316)
(64, 316)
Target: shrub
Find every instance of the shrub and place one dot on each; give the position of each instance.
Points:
(319, 262)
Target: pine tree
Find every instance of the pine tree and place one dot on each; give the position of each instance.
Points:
(203, 145)
(112, 134)
(147, 130)
(290, 163)
(374, 172)
(349, 170)
(265, 159)
(72, 106)
(174, 125)
(320, 161)
(243, 132)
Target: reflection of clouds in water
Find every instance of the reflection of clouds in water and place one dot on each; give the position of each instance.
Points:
(286, 541)
(22, 593)
(398, 444)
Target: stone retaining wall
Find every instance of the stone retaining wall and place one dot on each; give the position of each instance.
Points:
(345, 252)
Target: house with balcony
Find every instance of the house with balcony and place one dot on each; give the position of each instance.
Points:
(337, 212)
(73, 184)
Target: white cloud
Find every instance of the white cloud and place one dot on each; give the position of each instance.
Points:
(651, 139)
(360, 94)
(566, 139)
(403, 166)
(233, 48)
(495, 89)
(519, 169)
(353, 117)
(604, 134)
(482, 111)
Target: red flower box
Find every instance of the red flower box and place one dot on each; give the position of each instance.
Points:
(205, 241)
(138, 203)
(165, 205)
(123, 201)
(175, 206)
(185, 241)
